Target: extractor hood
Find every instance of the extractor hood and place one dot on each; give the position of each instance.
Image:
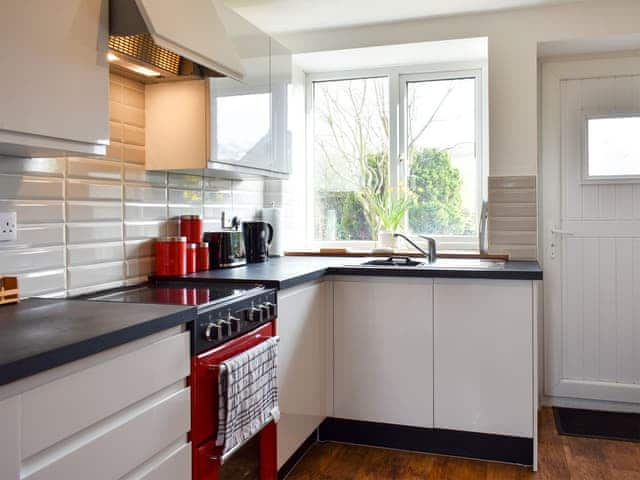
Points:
(160, 40)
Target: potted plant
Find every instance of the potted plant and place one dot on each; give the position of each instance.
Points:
(390, 209)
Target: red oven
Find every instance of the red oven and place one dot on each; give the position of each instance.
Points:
(258, 455)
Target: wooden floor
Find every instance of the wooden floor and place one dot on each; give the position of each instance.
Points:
(561, 457)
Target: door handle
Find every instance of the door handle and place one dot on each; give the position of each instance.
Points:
(557, 231)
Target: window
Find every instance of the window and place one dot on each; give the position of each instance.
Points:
(395, 151)
(613, 148)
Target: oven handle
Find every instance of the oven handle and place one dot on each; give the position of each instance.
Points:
(222, 366)
(226, 456)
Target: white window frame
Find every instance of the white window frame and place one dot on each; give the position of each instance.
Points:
(602, 179)
(398, 79)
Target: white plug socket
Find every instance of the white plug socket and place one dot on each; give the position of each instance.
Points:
(8, 231)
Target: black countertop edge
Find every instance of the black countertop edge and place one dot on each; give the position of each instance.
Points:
(439, 273)
(26, 367)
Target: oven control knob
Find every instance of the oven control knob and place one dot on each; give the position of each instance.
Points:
(234, 323)
(271, 309)
(225, 325)
(255, 314)
(213, 332)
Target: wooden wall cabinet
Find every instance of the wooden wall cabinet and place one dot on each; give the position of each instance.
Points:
(54, 87)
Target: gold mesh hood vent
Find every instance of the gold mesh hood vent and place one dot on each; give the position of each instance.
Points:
(142, 47)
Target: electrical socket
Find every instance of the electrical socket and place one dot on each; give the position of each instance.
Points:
(8, 232)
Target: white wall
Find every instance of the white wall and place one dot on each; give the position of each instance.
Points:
(513, 65)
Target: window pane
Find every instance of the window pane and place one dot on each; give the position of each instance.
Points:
(614, 146)
(351, 156)
(443, 171)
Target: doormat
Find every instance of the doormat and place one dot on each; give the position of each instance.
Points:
(598, 424)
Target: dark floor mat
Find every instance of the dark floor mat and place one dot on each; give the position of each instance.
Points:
(598, 424)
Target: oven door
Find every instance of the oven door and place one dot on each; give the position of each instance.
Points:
(259, 454)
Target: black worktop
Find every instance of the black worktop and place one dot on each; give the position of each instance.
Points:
(287, 272)
(38, 334)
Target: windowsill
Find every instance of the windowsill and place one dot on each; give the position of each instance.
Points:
(345, 252)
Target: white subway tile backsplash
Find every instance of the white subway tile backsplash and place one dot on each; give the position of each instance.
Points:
(133, 97)
(83, 190)
(185, 197)
(33, 188)
(140, 267)
(32, 259)
(137, 193)
(93, 275)
(42, 282)
(97, 169)
(133, 154)
(220, 198)
(133, 211)
(139, 248)
(133, 230)
(133, 135)
(35, 211)
(94, 211)
(176, 211)
(185, 181)
(137, 173)
(133, 116)
(98, 253)
(115, 151)
(93, 232)
(39, 235)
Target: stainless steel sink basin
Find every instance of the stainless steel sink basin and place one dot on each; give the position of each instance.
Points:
(440, 263)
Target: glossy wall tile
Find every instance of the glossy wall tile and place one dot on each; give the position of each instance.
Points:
(86, 224)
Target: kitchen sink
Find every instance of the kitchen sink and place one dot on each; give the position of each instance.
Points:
(440, 263)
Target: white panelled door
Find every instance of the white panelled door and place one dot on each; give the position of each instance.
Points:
(591, 233)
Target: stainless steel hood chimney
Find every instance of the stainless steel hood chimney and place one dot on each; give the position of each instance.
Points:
(160, 40)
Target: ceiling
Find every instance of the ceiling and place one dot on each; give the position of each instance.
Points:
(276, 16)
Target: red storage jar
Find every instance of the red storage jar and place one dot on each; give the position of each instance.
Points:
(192, 256)
(203, 257)
(191, 227)
(171, 256)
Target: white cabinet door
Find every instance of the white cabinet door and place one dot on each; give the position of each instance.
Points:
(10, 438)
(303, 363)
(483, 361)
(383, 350)
(55, 83)
(241, 127)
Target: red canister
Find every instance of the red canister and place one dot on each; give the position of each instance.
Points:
(203, 257)
(171, 256)
(192, 256)
(191, 227)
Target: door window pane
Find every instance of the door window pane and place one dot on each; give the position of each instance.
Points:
(443, 171)
(613, 146)
(351, 156)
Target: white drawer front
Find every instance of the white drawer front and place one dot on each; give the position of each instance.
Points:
(63, 407)
(176, 465)
(117, 451)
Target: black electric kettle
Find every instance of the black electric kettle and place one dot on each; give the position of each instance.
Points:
(257, 240)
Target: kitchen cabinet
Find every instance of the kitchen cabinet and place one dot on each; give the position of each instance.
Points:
(116, 414)
(55, 83)
(304, 363)
(228, 127)
(484, 356)
(383, 350)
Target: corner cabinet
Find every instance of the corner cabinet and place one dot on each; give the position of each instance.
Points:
(383, 350)
(54, 87)
(229, 127)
